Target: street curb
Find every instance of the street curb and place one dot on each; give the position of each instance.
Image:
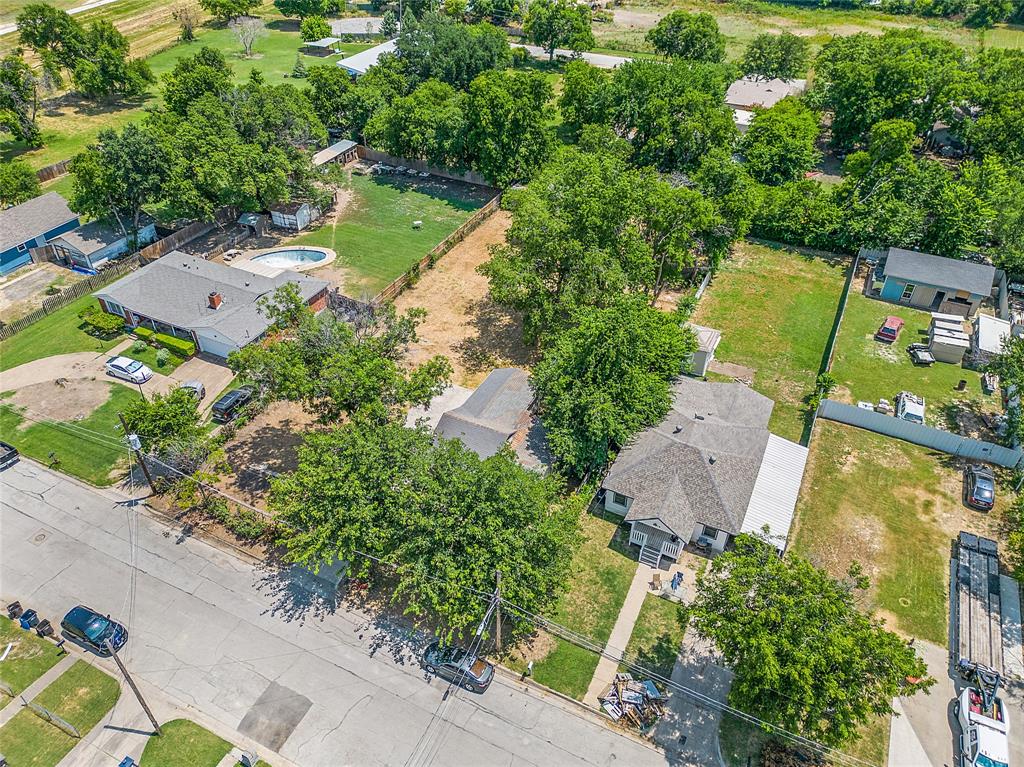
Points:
(582, 708)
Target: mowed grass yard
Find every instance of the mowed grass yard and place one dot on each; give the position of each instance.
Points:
(374, 235)
(657, 636)
(90, 449)
(185, 744)
(61, 332)
(30, 656)
(82, 695)
(775, 308)
(601, 573)
(866, 369)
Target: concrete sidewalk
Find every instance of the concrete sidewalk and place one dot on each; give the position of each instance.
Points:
(621, 632)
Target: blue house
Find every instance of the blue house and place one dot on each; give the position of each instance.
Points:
(935, 283)
(32, 225)
(92, 245)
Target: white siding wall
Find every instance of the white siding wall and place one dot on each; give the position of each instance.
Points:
(212, 342)
(613, 507)
(719, 541)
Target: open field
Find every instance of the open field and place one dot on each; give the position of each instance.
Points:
(89, 448)
(742, 20)
(895, 508)
(866, 369)
(657, 636)
(462, 322)
(601, 573)
(58, 333)
(29, 658)
(373, 232)
(775, 308)
(185, 744)
(80, 696)
(69, 124)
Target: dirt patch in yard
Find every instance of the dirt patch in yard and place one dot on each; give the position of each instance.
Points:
(462, 322)
(265, 446)
(71, 400)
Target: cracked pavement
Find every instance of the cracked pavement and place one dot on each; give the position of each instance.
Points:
(231, 640)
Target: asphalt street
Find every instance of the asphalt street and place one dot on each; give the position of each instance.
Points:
(262, 653)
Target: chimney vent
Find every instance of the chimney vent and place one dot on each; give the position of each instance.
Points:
(215, 299)
(711, 459)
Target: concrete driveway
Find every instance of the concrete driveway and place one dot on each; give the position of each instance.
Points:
(211, 371)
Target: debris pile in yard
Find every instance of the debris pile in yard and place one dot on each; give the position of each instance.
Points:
(633, 703)
(775, 754)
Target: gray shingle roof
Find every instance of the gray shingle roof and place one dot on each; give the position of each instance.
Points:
(701, 462)
(175, 289)
(498, 408)
(32, 218)
(750, 92)
(938, 270)
(95, 236)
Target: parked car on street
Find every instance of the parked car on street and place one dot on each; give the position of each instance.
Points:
(8, 455)
(979, 487)
(195, 388)
(128, 369)
(88, 627)
(910, 407)
(226, 408)
(890, 330)
(459, 666)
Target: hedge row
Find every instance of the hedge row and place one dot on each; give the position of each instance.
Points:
(179, 346)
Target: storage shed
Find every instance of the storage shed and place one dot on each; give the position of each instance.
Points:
(293, 216)
(341, 151)
(947, 340)
(988, 336)
(707, 341)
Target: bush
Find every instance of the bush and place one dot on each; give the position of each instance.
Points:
(144, 333)
(139, 346)
(180, 346)
(100, 323)
(314, 28)
(162, 357)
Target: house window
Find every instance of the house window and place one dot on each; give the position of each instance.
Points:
(908, 291)
(115, 308)
(618, 499)
(710, 532)
(23, 247)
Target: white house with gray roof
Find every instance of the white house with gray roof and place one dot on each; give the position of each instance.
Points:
(750, 93)
(708, 472)
(212, 304)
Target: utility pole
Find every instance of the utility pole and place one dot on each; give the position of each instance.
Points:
(136, 445)
(131, 683)
(497, 612)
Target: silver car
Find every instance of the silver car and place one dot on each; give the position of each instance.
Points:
(128, 369)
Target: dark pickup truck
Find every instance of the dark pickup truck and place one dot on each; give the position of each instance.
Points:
(8, 455)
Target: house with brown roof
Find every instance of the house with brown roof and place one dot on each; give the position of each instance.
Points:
(708, 472)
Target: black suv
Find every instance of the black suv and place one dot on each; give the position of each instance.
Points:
(87, 627)
(226, 408)
(458, 666)
(979, 487)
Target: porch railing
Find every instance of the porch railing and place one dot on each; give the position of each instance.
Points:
(637, 537)
(670, 549)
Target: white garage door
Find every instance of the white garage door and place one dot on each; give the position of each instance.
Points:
(215, 346)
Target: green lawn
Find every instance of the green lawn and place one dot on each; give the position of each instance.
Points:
(82, 695)
(775, 308)
(866, 369)
(892, 506)
(740, 741)
(601, 573)
(184, 744)
(89, 449)
(148, 358)
(657, 636)
(374, 237)
(58, 333)
(29, 658)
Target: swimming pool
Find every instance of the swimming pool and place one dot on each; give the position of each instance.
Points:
(298, 259)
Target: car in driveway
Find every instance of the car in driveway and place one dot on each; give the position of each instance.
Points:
(92, 629)
(979, 487)
(195, 388)
(458, 666)
(128, 369)
(226, 407)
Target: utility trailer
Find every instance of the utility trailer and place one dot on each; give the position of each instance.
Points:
(977, 604)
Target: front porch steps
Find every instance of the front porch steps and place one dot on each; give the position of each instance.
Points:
(650, 556)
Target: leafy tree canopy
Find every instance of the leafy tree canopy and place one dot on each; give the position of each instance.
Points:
(226, 10)
(104, 71)
(606, 377)
(314, 28)
(804, 656)
(19, 100)
(781, 142)
(437, 47)
(553, 24)
(428, 124)
(52, 33)
(205, 72)
(692, 36)
(770, 56)
(442, 520)
(301, 8)
(167, 420)
(18, 183)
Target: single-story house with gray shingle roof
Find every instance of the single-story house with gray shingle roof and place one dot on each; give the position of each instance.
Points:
(936, 283)
(32, 224)
(498, 413)
(92, 245)
(708, 472)
(212, 304)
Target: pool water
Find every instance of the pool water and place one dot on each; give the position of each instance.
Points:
(289, 259)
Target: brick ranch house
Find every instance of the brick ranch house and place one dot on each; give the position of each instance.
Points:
(209, 303)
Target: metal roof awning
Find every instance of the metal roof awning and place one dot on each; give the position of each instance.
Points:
(776, 490)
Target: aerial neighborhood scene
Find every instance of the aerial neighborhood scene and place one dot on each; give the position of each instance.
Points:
(597, 383)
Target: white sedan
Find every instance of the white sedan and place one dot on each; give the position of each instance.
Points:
(128, 369)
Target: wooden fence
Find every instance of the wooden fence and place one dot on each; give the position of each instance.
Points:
(71, 293)
(374, 155)
(397, 286)
(56, 170)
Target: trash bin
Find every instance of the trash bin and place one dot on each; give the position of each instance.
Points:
(29, 619)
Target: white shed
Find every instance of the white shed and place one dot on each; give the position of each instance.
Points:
(707, 341)
(294, 216)
(988, 337)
